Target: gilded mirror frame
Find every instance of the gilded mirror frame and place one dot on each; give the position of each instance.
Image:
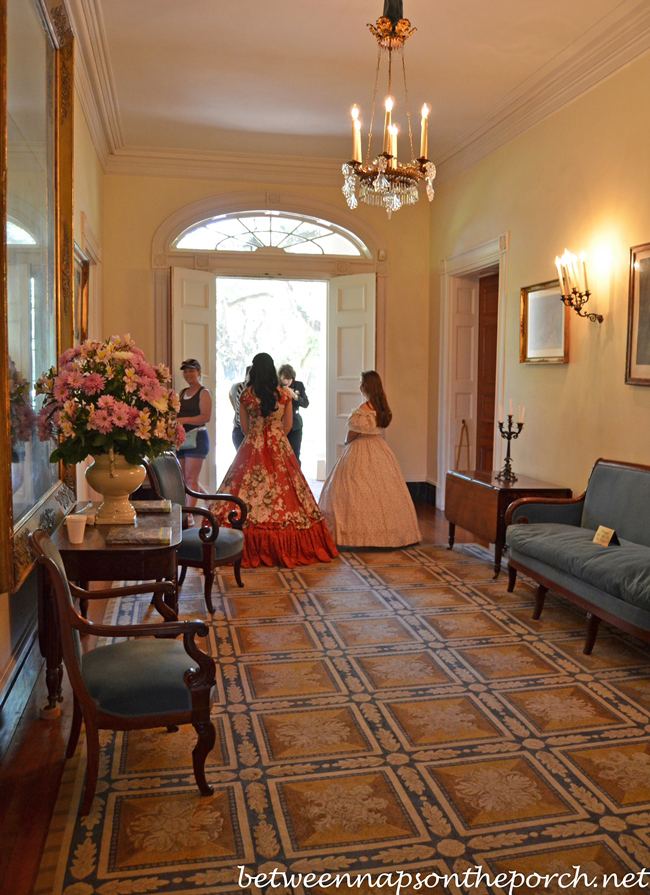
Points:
(15, 555)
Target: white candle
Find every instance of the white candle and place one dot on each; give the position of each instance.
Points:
(356, 139)
(583, 258)
(393, 142)
(566, 264)
(523, 414)
(558, 264)
(424, 132)
(387, 124)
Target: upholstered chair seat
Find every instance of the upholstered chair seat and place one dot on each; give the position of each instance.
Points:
(211, 545)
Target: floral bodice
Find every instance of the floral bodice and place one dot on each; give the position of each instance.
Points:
(258, 423)
(364, 422)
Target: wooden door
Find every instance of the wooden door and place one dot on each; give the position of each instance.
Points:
(488, 300)
(194, 334)
(350, 350)
(462, 374)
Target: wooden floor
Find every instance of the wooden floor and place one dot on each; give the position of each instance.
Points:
(32, 767)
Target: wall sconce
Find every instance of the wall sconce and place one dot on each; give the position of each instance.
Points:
(573, 282)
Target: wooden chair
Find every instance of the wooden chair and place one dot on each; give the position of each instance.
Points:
(203, 548)
(135, 684)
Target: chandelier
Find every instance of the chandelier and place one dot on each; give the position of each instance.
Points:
(385, 181)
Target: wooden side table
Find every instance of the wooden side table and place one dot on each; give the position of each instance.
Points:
(95, 560)
(477, 501)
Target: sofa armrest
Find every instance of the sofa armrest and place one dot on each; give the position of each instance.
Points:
(567, 511)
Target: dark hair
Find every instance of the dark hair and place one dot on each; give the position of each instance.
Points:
(263, 381)
(191, 364)
(286, 371)
(374, 391)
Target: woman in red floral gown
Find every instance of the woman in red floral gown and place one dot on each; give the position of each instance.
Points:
(284, 526)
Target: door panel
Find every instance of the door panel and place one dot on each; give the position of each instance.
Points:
(463, 381)
(194, 334)
(487, 368)
(350, 350)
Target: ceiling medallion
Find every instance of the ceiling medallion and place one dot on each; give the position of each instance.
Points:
(385, 181)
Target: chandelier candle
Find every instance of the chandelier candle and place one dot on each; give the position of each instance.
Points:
(387, 126)
(356, 135)
(424, 132)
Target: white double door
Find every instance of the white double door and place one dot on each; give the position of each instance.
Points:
(350, 346)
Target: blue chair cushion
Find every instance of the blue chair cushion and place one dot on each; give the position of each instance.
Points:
(621, 571)
(138, 677)
(229, 543)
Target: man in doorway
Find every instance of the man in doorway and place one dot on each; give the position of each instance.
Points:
(287, 377)
(234, 394)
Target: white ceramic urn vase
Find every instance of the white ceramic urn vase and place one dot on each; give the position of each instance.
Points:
(115, 479)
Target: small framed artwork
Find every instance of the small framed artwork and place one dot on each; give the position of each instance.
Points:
(543, 325)
(637, 370)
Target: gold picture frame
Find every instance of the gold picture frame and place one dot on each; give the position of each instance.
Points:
(36, 258)
(543, 325)
(637, 362)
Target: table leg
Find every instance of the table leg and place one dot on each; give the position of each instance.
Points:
(452, 534)
(498, 552)
(49, 640)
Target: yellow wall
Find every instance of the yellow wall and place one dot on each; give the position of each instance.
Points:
(88, 178)
(580, 179)
(136, 206)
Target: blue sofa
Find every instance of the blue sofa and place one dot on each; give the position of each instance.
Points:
(551, 541)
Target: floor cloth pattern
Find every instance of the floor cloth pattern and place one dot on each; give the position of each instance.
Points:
(393, 711)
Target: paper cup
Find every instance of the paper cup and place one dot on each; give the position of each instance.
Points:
(76, 523)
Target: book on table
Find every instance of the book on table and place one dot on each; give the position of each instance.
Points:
(153, 506)
(133, 534)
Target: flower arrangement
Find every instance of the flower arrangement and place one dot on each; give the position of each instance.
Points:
(21, 412)
(105, 398)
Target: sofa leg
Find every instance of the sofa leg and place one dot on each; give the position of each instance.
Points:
(540, 593)
(512, 577)
(592, 630)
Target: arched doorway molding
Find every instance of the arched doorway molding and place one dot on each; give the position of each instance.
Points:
(259, 264)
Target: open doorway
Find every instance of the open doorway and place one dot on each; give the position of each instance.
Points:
(288, 320)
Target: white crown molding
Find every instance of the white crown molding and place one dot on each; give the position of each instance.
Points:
(229, 166)
(610, 45)
(94, 76)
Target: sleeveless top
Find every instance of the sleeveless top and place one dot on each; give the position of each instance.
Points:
(191, 407)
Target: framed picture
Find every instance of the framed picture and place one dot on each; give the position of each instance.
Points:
(543, 325)
(637, 370)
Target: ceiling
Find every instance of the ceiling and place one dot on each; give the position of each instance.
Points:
(205, 81)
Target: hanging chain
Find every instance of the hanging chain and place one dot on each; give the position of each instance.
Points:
(374, 100)
(408, 111)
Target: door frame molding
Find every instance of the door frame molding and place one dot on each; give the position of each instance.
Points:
(239, 264)
(470, 263)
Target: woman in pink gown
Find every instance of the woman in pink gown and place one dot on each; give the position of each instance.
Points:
(365, 500)
(284, 526)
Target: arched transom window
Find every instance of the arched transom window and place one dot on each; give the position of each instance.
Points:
(270, 231)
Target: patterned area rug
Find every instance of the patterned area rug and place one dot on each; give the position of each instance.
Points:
(391, 714)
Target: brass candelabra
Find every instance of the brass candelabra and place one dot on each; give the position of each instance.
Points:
(513, 430)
